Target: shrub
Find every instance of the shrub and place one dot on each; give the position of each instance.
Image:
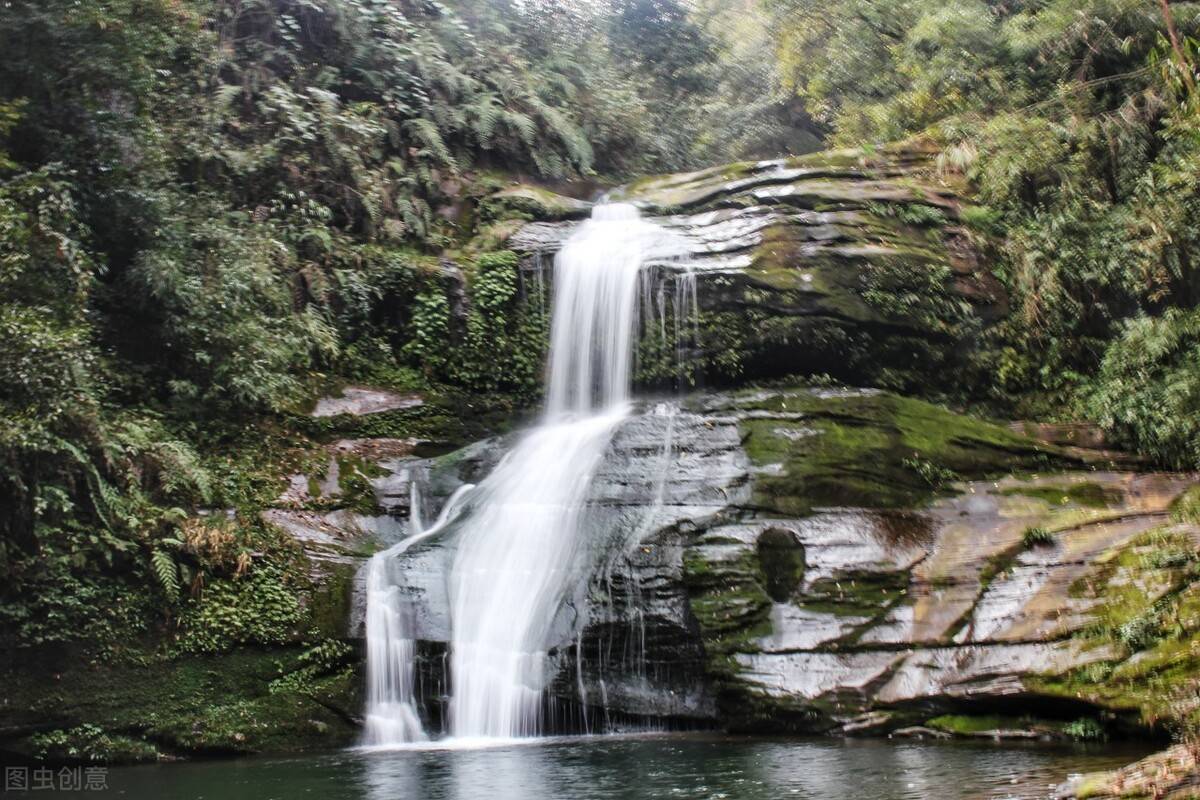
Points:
(1143, 631)
(90, 743)
(1148, 387)
(257, 609)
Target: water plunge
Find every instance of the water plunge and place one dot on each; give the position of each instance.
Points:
(519, 548)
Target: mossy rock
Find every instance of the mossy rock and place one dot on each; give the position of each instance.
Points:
(237, 702)
(525, 201)
(869, 449)
(1145, 600)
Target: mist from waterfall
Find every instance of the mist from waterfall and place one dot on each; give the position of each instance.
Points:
(518, 550)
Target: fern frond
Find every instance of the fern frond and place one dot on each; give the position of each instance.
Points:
(426, 132)
(166, 572)
(522, 125)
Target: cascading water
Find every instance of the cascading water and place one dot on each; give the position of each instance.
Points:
(518, 553)
(391, 715)
(518, 548)
(391, 649)
(512, 570)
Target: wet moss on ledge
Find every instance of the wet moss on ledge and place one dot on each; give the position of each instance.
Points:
(819, 448)
(236, 702)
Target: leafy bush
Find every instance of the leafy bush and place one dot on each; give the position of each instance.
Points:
(1149, 386)
(1143, 631)
(506, 339)
(225, 318)
(259, 608)
(933, 474)
(329, 657)
(90, 743)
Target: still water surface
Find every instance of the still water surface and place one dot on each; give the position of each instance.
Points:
(692, 767)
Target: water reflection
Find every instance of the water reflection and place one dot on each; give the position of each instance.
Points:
(675, 767)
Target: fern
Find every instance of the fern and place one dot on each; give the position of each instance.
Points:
(487, 114)
(522, 125)
(426, 132)
(166, 572)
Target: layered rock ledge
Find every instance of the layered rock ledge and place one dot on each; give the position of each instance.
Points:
(844, 263)
(833, 561)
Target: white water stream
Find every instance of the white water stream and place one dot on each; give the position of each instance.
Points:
(519, 548)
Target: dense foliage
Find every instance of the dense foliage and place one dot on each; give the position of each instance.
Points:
(1078, 122)
(211, 208)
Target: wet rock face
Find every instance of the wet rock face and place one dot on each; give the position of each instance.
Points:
(836, 263)
(726, 588)
(781, 559)
(626, 644)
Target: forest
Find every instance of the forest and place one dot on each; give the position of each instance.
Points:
(214, 212)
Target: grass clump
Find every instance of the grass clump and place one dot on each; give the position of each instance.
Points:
(1036, 536)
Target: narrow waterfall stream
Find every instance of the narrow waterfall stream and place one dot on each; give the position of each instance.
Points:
(518, 550)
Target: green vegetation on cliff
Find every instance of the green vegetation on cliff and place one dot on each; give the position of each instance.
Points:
(210, 211)
(1077, 123)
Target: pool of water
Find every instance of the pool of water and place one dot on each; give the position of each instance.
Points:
(674, 767)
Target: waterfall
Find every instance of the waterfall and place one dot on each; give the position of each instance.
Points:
(392, 716)
(512, 570)
(594, 310)
(518, 550)
(518, 554)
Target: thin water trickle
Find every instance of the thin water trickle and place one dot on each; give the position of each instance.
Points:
(518, 551)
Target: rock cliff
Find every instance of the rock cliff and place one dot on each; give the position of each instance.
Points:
(834, 560)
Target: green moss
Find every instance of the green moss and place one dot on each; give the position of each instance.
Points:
(842, 159)
(221, 703)
(446, 420)
(1186, 507)
(354, 483)
(1155, 642)
(729, 600)
(667, 193)
(860, 450)
(1095, 784)
(526, 201)
(857, 594)
(963, 725)
(1087, 494)
(330, 603)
